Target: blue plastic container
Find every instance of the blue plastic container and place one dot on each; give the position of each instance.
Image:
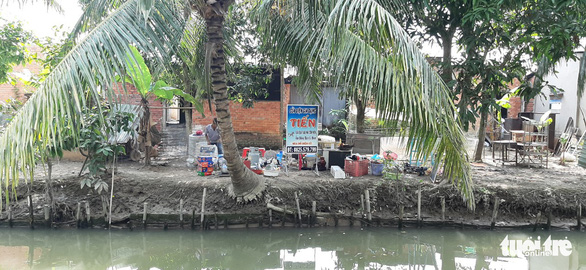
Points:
(376, 168)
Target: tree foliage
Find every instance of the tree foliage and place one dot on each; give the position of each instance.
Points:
(13, 50)
(358, 44)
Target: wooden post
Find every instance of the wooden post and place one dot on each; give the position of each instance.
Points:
(579, 214)
(270, 218)
(298, 207)
(368, 213)
(193, 219)
(537, 221)
(313, 212)
(216, 225)
(31, 213)
(284, 217)
(443, 202)
(401, 209)
(47, 212)
(203, 207)
(495, 212)
(10, 216)
(362, 207)
(88, 213)
(419, 219)
(105, 210)
(181, 213)
(144, 214)
(548, 218)
(78, 214)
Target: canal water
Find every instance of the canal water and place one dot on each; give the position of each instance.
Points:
(321, 248)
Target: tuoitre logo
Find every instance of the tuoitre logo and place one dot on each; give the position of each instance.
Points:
(530, 247)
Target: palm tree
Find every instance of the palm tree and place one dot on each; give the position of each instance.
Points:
(353, 43)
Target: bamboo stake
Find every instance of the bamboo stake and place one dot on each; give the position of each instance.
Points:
(548, 219)
(193, 219)
(298, 207)
(443, 201)
(419, 205)
(284, 217)
(401, 209)
(203, 206)
(313, 212)
(495, 212)
(10, 216)
(31, 213)
(144, 214)
(537, 221)
(270, 218)
(78, 214)
(362, 207)
(579, 214)
(181, 212)
(112, 190)
(88, 213)
(368, 213)
(47, 214)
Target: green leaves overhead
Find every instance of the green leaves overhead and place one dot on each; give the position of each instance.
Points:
(360, 45)
(75, 83)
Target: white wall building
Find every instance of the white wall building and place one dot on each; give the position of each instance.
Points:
(564, 105)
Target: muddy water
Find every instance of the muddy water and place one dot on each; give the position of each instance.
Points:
(329, 248)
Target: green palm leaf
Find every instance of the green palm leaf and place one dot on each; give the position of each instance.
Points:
(91, 65)
(360, 45)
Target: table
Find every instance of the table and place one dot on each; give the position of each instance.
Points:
(504, 146)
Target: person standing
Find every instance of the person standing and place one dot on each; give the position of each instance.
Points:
(212, 133)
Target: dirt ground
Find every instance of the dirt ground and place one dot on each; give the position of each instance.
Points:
(522, 192)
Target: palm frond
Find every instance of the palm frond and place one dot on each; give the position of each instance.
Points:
(90, 66)
(362, 46)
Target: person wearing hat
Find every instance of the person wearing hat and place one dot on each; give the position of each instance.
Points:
(212, 132)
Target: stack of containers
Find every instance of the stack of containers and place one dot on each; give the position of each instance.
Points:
(205, 166)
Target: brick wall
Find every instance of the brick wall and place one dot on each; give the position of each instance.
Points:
(131, 96)
(257, 126)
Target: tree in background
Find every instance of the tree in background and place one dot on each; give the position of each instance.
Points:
(499, 41)
(13, 51)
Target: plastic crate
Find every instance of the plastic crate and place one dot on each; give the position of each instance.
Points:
(356, 167)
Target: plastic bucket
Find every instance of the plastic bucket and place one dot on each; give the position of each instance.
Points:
(377, 168)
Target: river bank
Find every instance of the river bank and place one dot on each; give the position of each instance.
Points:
(523, 194)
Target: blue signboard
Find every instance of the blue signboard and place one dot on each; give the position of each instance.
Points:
(302, 128)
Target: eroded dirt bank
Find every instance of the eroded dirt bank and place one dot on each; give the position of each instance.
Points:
(522, 192)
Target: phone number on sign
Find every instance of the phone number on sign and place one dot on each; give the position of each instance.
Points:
(301, 149)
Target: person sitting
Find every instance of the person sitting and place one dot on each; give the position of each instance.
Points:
(212, 133)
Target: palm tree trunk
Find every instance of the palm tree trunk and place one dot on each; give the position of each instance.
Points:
(481, 136)
(360, 114)
(146, 131)
(246, 185)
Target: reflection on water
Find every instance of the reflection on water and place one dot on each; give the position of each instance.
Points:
(326, 248)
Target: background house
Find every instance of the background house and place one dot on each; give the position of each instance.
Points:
(565, 104)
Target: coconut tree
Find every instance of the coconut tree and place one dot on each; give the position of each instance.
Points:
(355, 43)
